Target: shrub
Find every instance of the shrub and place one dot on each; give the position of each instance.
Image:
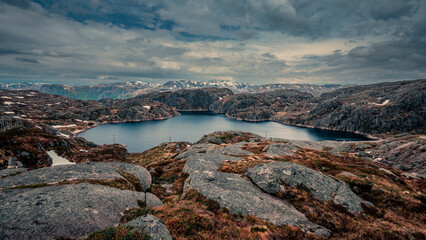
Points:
(257, 229)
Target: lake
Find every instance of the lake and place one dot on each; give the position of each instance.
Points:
(191, 126)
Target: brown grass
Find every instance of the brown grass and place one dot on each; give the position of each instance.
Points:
(134, 181)
(230, 137)
(240, 167)
(196, 217)
(157, 154)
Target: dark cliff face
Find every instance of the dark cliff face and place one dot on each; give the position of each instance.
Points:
(377, 108)
(261, 106)
(189, 99)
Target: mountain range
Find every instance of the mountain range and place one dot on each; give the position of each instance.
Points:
(131, 89)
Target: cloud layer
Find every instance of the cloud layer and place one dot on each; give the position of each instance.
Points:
(260, 41)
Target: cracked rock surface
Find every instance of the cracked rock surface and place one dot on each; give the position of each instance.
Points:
(236, 193)
(84, 171)
(70, 211)
(36, 209)
(323, 187)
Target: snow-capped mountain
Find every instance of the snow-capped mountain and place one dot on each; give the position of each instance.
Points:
(130, 89)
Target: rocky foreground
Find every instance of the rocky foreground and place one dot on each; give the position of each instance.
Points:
(228, 185)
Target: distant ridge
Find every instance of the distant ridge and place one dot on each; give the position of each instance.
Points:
(131, 89)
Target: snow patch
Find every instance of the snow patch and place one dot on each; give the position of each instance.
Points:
(64, 126)
(58, 160)
(147, 107)
(380, 104)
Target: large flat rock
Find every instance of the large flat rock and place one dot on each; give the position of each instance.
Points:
(83, 171)
(70, 211)
(237, 194)
(323, 187)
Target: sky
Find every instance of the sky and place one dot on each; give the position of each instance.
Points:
(256, 41)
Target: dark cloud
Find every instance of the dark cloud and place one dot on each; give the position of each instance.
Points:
(253, 40)
(27, 60)
(24, 4)
(388, 60)
(392, 9)
(268, 55)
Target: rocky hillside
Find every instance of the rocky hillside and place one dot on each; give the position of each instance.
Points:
(194, 99)
(377, 108)
(27, 147)
(138, 109)
(262, 106)
(76, 115)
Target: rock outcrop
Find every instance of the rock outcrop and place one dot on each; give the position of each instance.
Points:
(261, 106)
(377, 108)
(235, 193)
(28, 147)
(404, 154)
(69, 211)
(62, 111)
(137, 109)
(78, 172)
(268, 177)
(70, 201)
(371, 109)
(279, 150)
(151, 225)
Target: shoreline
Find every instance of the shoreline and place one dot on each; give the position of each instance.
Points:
(86, 128)
(369, 137)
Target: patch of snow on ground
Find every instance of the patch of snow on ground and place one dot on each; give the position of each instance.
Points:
(380, 104)
(64, 135)
(8, 103)
(77, 131)
(65, 126)
(147, 107)
(58, 160)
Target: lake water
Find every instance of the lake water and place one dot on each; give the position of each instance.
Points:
(191, 126)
